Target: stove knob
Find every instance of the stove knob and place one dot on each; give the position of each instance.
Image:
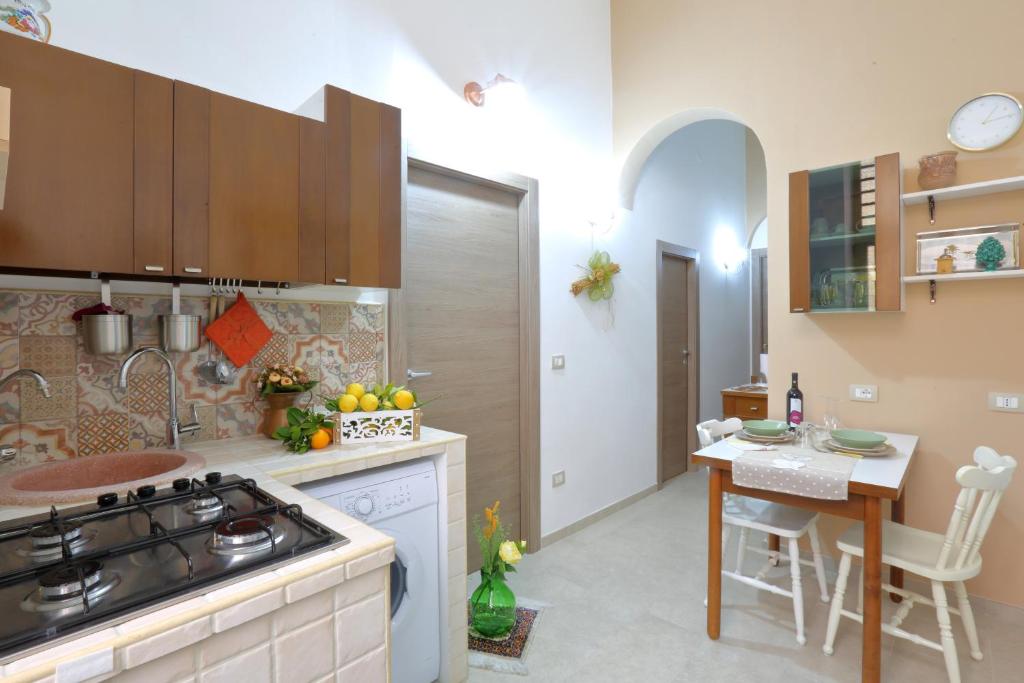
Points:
(147, 491)
(181, 484)
(213, 478)
(106, 499)
(364, 505)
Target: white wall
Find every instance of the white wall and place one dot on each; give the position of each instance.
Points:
(417, 55)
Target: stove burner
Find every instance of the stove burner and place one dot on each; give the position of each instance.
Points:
(61, 588)
(205, 503)
(46, 540)
(245, 535)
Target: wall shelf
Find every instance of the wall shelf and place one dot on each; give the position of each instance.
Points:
(934, 278)
(968, 190)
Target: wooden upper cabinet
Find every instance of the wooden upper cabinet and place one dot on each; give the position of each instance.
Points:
(236, 188)
(364, 191)
(153, 174)
(68, 203)
(844, 237)
(254, 191)
(312, 201)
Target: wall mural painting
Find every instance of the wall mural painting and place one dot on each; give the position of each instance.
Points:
(27, 17)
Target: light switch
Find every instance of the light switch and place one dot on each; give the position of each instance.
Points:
(558, 362)
(558, 478)
(1005, 402)
(864, 392)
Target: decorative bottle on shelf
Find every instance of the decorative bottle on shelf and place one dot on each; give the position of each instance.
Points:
(794, 404)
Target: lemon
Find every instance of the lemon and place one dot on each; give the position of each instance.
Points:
(404, 399)
(347, 403)
(356, 390)
(369, 402)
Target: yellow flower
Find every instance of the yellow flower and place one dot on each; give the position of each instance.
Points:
(286, 382)
(509, 553)
(274, 377)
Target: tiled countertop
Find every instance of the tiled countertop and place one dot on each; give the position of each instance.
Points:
(276, 471)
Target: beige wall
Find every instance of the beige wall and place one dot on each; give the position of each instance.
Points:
(822, 83)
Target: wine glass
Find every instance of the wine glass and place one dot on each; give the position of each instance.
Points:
(830, 420)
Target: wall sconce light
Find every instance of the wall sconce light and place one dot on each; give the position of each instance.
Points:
(475, 93)
(727, 250)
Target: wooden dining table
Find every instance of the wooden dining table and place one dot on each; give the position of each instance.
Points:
(873, 480)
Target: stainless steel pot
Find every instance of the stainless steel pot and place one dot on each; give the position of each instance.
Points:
(107, 334)
(180, 332)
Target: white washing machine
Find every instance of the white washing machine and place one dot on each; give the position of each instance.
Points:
(401, 501)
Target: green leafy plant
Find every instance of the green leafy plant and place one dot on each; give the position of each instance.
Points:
(302, 425)
(990, 253)
(499, 554)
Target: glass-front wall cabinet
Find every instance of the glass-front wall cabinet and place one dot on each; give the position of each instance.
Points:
(845, 237)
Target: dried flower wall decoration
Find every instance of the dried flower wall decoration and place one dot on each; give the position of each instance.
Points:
(597, 282)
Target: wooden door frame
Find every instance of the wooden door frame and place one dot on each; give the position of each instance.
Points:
(757, 257)
(529, 325)
(692, 257)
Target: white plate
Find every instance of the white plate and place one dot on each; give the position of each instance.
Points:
(884, 449)
(782, 438)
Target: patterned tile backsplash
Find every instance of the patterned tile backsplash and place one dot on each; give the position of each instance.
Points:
(88, 413)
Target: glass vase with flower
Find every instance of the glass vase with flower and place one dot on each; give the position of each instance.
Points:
(492, 607)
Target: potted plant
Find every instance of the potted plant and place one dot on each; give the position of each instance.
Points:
(281, 386)
(492, 607)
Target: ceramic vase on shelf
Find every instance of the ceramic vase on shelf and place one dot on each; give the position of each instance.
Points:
(277, 411)
(937, 170)
(492, 607)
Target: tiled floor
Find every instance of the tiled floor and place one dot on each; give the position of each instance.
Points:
(626, 605)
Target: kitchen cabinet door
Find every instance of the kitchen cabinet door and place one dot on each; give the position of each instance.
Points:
(191, 232)
(365, 171)
(844, 237)
(69, 191)
(153, 174)
(254, 191)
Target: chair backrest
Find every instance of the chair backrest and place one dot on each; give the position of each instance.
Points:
(711, 431)
(982, 487)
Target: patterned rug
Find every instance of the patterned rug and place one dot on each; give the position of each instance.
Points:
(506, 654)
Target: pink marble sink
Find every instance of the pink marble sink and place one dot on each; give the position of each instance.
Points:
(82, 479)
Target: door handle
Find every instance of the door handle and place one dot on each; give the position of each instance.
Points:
(413, 374)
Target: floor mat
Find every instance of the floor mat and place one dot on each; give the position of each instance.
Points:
(506, 654)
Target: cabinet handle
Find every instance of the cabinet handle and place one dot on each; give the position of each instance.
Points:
(798, 310)
(154, 269)
(340, 281)
(753, 409)
(192, 269)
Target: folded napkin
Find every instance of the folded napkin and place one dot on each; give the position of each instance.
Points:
(741, 445)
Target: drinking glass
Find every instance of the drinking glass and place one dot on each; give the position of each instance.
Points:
(830, 420)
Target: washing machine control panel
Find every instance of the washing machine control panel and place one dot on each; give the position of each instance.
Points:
(381, 501)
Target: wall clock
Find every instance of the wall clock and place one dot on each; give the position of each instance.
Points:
(985, 122)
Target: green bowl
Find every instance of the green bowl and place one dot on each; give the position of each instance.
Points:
(857, 438)
(765, 427)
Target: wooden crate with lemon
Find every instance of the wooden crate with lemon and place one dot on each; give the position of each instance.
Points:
(382, 414)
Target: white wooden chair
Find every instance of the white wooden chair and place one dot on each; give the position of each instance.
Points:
(952, 557)
(772, 518)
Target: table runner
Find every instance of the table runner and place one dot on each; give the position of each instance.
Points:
(797, 471)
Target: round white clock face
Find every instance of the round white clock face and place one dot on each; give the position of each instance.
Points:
(985, 122)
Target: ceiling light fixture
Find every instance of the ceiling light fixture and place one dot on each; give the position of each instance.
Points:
(475, 93)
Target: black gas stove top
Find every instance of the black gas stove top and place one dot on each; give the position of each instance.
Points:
(84, 566)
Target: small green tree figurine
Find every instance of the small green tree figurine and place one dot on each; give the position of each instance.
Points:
(990, 253)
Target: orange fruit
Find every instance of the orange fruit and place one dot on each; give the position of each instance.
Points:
(321, 439)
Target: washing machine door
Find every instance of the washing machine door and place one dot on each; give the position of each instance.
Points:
(415, 616)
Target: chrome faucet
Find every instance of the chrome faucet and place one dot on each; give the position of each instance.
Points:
(8, 453)
(44, 386)
(174, 428)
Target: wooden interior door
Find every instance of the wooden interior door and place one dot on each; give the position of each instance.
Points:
(675, 355)
(462, 325)
(254, 191)
(69, 189)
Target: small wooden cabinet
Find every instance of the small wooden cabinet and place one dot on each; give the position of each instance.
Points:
(844, 237)
(745, 402)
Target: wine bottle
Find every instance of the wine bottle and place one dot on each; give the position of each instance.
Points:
(794, 404)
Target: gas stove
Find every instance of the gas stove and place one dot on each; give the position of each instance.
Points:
(65, 572)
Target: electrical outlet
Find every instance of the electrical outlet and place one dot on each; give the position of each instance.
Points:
(1006, 402)
(864, 392)
(558, 478)
(558, 362)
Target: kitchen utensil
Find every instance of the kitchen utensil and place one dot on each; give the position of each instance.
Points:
(765, 427)
(857, 438)
(208, 368)
(106, 333)
(180, 332)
